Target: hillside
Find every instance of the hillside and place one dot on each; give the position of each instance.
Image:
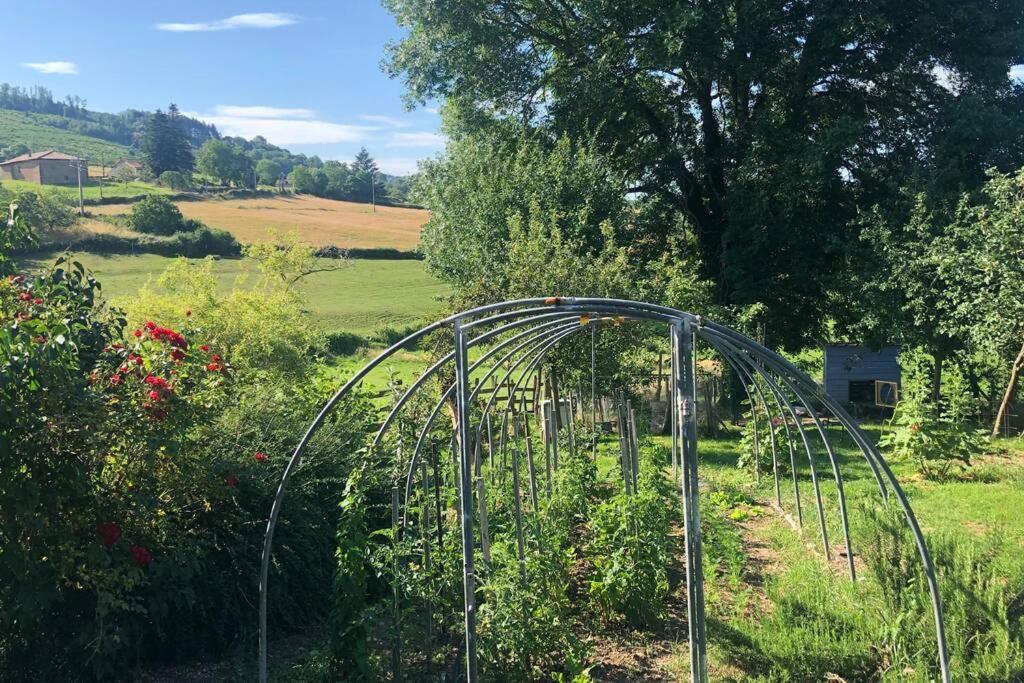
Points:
(45, 131)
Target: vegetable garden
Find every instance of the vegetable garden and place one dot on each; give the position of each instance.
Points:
(480, 593)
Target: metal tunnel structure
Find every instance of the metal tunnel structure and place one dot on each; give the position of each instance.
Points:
(509, 341)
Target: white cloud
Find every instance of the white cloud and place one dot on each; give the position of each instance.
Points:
(420, 139)
(252, 20)
(386, 120)
(283, 130)
(1017, 72)
(259, 112)
(397, 165)
(432, 110)
(65, 68)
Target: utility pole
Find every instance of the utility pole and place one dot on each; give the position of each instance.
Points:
(81, 195)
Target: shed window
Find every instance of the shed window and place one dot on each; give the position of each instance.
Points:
(863, 392)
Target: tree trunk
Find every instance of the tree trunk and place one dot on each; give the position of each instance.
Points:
(1011, 388)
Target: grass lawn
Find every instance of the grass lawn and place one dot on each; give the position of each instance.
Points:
(361, 297)
(92, 189)
(317, 221)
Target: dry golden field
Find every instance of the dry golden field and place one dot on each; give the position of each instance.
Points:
(317, 221)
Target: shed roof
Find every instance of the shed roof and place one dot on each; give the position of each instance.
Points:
(48, 154)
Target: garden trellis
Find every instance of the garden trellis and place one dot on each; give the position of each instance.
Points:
(511, 340)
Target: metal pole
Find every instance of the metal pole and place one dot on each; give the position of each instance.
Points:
(466, 487)
(396, 642)
(593, 393)
(425, 537)
(685, 398)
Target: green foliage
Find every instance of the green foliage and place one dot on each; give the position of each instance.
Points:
(981, 598)
(632, 547)
(156, 215)
(139, 468)
(264, 329)
(344, 343)
(766, 147)
(176, 180)
(164, 144)
(935, 436)
(269, 171)
(43, 211)
(225, 162)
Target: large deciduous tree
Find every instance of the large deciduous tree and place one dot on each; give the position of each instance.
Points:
(764, 123)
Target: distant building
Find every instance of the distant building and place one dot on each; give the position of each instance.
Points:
(46, 168)
(857, 376)
(127, 166)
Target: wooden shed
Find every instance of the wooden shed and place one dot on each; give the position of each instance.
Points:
(853, 373)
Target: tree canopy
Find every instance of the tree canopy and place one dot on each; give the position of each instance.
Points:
(164, 145)
(766, 125)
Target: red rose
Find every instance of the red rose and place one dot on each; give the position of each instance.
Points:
(177, 354)
(231, 480)
(137, 333)
(205, 347)
(154, 395)
(259, 457)
(141, 556)
(212, 367)
(25, 296)
(108, 532)
(215, 358)
(135, 359)
(37, 301)
(150, 325)
(115, 379)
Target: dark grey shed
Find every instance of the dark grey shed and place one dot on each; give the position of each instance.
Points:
(851, 372)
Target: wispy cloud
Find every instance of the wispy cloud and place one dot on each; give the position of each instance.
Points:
(252, 20)
(283, 126)
(391, 121)
(419, 139)
(1017, 72)
(397, 165)
(259, 112)
(65, 68)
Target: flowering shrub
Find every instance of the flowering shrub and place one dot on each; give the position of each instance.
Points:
(138, 471)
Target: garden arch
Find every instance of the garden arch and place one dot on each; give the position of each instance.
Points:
(518, 334)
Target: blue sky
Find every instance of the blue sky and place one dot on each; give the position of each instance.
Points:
(306, 75)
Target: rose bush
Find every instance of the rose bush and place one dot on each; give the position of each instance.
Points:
(138, 468)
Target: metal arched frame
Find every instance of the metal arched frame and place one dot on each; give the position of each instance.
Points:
(553, 319)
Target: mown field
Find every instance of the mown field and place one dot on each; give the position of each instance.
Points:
(37, 131)
(361, 297)
(317, 221)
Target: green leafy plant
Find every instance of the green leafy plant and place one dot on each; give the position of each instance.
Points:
(936, 437)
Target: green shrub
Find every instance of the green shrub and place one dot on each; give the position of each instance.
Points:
(157, 215)
(936, 437)
(344, 343)
(45, 211)
(139, 468)
(176, 180)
